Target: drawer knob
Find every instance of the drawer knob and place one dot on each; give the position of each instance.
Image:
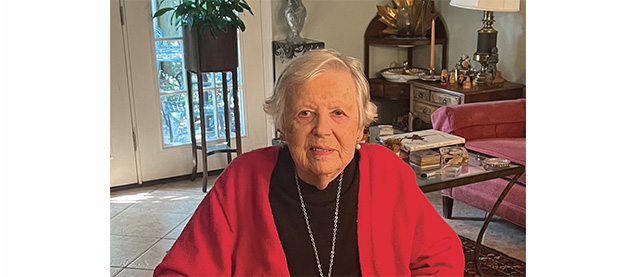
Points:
(445, 101)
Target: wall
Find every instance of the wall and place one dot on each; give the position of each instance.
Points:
(341, 25)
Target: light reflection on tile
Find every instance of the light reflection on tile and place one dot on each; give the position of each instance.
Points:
(135, 223)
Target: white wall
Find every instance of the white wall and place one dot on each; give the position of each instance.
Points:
(341, 25)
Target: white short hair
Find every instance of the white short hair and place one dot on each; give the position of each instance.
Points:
(311, 64)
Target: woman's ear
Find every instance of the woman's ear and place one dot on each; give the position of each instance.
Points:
(281, 136)
(360, 134)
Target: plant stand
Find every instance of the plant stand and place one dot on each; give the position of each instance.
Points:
(206, 54)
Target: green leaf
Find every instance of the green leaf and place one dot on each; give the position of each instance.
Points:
(213, 15)
(240, 24)
(160, 12)
(246, 6)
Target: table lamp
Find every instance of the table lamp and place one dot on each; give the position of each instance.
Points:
(487, 53)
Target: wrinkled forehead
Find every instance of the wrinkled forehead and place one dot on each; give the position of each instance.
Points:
(333, 84)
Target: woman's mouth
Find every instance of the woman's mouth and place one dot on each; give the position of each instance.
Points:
(321, 151)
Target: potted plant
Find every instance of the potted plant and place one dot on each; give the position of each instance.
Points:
(209, 33)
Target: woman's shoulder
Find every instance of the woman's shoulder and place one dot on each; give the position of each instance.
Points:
(252, 167)
(260, 152)
(257, 157)
(378, 156)
(377, 151)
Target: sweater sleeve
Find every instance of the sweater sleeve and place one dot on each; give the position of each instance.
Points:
(204, 248)
(436, 250)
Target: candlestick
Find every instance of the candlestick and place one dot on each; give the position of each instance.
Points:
(432, 45)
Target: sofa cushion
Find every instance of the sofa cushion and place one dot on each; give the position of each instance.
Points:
(513, 149)
(494, 119)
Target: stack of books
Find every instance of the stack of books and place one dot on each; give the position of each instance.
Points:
(425, 159)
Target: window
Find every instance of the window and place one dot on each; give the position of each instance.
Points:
(172, 83)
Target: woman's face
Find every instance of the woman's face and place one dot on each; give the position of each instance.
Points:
(321, 125)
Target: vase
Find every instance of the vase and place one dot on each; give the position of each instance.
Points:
(295, 13)
(404, 22)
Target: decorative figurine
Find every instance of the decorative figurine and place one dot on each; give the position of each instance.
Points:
(464, 63)
(461, 78)
(444, 76)
(498, 78)
(452, 77)
(467, 83)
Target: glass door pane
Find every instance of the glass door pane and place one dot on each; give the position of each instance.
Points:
(172, 83)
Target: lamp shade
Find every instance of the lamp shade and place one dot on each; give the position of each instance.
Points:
(487, 5)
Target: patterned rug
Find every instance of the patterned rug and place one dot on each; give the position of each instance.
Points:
(492, 262)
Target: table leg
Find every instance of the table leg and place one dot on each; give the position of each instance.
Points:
(202, 127)
(478, 242)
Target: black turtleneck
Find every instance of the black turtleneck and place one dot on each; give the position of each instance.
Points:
(320, 204)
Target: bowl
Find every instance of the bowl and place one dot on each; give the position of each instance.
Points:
(399, 75)
(496, 162)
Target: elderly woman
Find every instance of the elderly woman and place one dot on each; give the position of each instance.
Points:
(322, 204)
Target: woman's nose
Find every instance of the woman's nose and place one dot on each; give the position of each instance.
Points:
(322, 126)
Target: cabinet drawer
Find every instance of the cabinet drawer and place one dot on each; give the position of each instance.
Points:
(444, 99)
(376, 90)
(423, 111)
(395, 91)
(420, 94)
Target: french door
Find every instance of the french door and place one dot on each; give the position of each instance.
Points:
(123, 167)
(160, 133)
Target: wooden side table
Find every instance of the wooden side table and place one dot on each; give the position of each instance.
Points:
(426, 97)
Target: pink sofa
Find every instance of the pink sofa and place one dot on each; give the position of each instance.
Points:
(496, 128)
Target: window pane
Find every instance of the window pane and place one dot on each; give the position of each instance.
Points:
(207, 77)
(175, 126)
(163, 26)
(169, 55)
(220, 115)
(209, 113)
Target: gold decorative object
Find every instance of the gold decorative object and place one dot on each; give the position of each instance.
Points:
(453, 155)
(421, 24)
(393, 144)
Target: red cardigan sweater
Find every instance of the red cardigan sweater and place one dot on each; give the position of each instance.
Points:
(232, 232)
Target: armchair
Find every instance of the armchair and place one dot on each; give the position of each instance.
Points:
(496, 128)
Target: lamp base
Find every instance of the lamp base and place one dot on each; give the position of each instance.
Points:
(488, 63)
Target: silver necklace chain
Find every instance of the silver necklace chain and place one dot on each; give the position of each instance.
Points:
(304, 212)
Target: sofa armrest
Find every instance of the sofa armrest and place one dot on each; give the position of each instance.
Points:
(494, 119)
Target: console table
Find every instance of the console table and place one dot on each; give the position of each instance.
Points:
(426, 97)
(286, 50)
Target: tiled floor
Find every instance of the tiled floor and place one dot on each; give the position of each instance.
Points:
(144, 223)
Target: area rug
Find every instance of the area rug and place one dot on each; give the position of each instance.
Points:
(492, 262)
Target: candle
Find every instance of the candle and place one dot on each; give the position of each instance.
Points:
(432, 45)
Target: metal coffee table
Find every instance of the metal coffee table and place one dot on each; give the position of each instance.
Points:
(474, 172)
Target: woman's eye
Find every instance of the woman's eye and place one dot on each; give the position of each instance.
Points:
(304, 113)
(338, 113)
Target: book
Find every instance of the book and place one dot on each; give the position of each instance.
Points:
(425, 158)
(426, 139)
